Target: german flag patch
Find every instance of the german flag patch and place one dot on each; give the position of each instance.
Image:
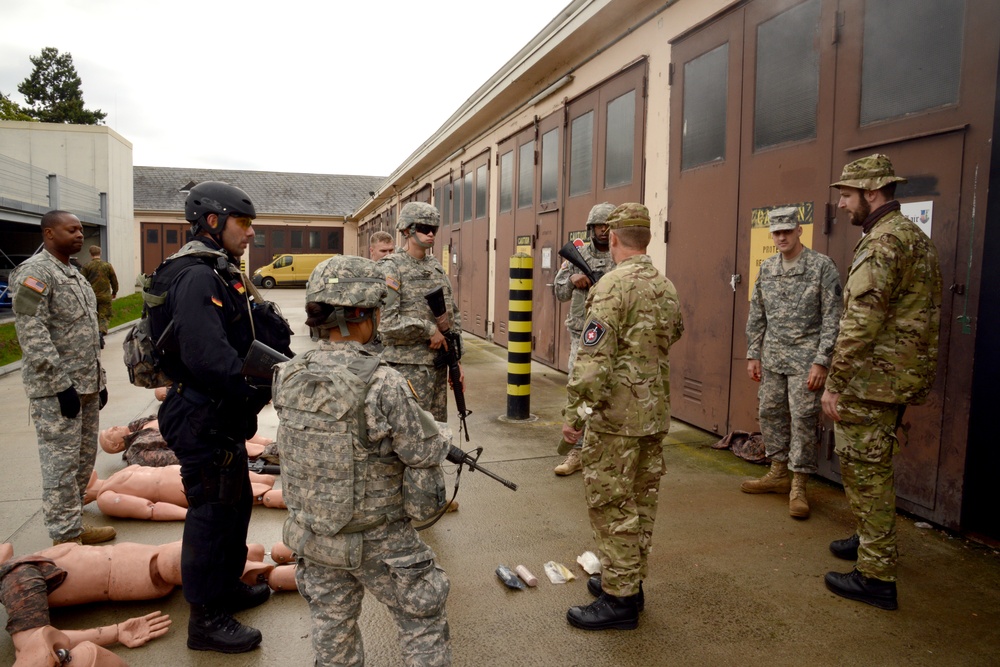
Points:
(217, 301)
(33, 283)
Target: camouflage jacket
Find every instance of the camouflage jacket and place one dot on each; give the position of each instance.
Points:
(55, 315)
(407, 323)
(102, 278)
(888, 343)
(794, 316)
(566, 291)
(622, 370)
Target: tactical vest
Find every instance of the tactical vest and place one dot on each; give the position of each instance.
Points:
(336, 484)
(417, 279)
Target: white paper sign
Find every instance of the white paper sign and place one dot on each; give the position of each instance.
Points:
(546, 258)
(920, 212)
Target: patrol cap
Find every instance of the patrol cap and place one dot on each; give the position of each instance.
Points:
(418, 213)
(347, 281)
(629, 215)
(784, 218)
(868, 173)
(599, 214)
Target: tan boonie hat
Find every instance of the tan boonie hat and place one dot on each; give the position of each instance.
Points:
(629, 215)
(782, 219)
(869, 173)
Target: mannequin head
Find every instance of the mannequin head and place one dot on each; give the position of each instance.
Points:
(112, 439)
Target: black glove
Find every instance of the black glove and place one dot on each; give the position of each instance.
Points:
(69, 402)
(102, 398)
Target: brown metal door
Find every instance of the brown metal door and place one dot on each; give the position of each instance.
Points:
(548, 186)
(787, 123)
(476, 268)
(159, 241)
(705, 109)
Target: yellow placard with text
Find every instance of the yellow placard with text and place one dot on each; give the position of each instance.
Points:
(761, 244)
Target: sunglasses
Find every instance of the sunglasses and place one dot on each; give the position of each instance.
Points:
(242, 220)
(425, 229)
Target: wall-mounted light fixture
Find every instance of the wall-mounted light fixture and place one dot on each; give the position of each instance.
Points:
(561, 83)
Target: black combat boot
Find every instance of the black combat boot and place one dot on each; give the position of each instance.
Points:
(594, 587)
(846, 548)
(243, 597)
(605, 613)
(214, 630)
(856, 586)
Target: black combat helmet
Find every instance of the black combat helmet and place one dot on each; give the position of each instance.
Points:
(219, 198)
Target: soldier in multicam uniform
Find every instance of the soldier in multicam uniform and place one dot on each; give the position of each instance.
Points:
(794, 313)
(408, 329)
(105, 283)
(351, 426)
(56, 321)
(573, 286)
(885, 359)
(620, 390)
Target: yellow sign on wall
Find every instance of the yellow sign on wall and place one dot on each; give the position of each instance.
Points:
(761, 244)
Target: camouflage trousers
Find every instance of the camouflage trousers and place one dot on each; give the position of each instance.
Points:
(67, 450)
(431, 385)
(865, 443)
(398, 568)
(103, 315)
(621, 480)
(574, 348)
(789, 416)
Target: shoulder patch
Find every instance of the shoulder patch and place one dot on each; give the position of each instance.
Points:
(34, 283)
(392, 284)
(594, 332)
(217, 301)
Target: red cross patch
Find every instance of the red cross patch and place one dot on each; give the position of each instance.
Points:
(593, 334)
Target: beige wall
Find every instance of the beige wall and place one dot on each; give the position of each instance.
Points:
(94, 155)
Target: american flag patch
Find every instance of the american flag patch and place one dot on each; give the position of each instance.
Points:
(217, 301)
(34, 283)
(392, 283)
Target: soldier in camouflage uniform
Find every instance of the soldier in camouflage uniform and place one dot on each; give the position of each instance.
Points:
(408, 329)
(105, 283)
(573, 286)
(794, 313)
(885, 359)
(56, 321)
(350, 426)
(620, 390)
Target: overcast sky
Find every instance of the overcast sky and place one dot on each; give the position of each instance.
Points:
(318, 86)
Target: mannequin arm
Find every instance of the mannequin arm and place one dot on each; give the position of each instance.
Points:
(131, 633)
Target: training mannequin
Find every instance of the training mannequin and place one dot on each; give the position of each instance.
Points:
(141, 442)
(157, 494)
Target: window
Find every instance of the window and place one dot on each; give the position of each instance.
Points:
(335, 241)
(445, 205)
(467, 197)
(787, 89)
(581, 154)
(506, 181)
(703, 134)
(283, 262)
(482, 179)
(619, 148)
(915, 65)
(152, 235)
(278, 239)
(171, 236)
(314, 240)
(297, 240)
(550, 166)
(526, 175)
(259, 240)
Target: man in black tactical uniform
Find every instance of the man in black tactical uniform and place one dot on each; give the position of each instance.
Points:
(210, 409)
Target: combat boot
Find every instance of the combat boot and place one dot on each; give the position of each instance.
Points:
(75, 540)
(571, 465)
(594, 588)
(605, 613)
(856, 586)
(214, 630)
(775, 481)
(798, 505)
(97, 534)
(846, 548)
(243, 596)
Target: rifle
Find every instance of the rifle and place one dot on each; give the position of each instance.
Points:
(450, 354)
(260, 362)
(456, 455)
(571, 253)
(264, 468)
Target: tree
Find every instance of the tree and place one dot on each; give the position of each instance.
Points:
(11, 110)
(53, 92)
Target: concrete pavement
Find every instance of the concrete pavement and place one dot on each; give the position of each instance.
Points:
(733, 580)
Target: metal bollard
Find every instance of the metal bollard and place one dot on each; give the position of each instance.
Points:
(519, 338)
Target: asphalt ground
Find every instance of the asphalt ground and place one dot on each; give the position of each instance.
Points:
(733, 579)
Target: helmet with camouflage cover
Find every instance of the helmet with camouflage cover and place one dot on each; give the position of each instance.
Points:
(868, 173)
(629, 215)
(350, 281)
(599, 214)
(418, 213)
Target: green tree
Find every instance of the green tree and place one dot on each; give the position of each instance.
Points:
(11, 110)
(53, 92)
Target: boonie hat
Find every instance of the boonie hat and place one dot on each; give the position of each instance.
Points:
(869, 173)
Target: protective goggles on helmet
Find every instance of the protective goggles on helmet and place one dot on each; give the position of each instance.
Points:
(425, 229)
(243, 221)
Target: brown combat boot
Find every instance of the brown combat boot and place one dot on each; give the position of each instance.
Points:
(775, 481)
(571, 465)
(798, 505)
(97, 534)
